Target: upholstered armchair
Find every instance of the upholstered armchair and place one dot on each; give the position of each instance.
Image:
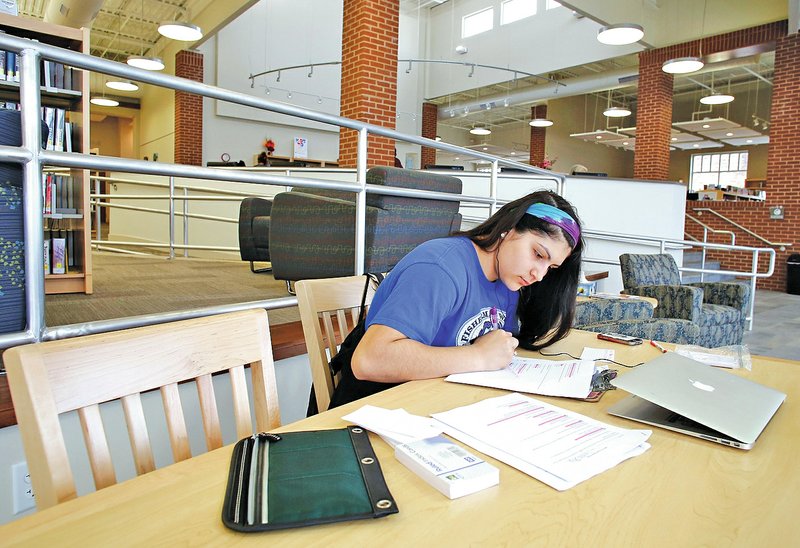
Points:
(718, 308)
(254, 231)
(634, 318)
(312, 231)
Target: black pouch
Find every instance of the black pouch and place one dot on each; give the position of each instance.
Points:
(282, 481)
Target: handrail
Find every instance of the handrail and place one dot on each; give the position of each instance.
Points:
(706, 228)
(747, 230)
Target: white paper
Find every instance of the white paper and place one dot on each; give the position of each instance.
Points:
(709, 358)
(570, 379)
(594, 354)
(396, 425)
(556, 446)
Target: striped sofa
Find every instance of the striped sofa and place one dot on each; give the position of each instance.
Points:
(312, 231)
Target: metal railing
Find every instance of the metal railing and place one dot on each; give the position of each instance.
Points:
(33, 158)
(781, 245)
(706, 230)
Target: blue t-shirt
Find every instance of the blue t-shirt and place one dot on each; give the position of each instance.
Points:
(438, 295)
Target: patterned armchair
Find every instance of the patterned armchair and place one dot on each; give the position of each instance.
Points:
(634, 318)
(312, 231)
(718, 308)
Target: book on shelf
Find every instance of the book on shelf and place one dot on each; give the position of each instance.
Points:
(2, 64)
(59, 264)
(46, 256)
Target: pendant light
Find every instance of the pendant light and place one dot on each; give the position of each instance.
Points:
(615, 112)
(682, 65)
(479, 129)
(620, 34)
(178, 30)
(103, 101)
(540, 122)
(119, 84)
(142, 61)
(716, 98)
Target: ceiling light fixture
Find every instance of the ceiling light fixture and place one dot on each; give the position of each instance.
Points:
(540, 122)
(104, 102)
(616, 112)
(620, 35)
(178, 30)
(142, 61)
(716, 99)
(480, 130)
(122, 85)
(682, 65)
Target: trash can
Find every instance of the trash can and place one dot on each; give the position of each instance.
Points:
(793, 274)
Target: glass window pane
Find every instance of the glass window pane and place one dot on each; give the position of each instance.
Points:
(705, 179)
(706, 163)
(714, 162)
(743, 161)
(478, 22)
(733, 165)
(723, 162)
(697, 162)
(550, 4)
(514, 10)
(733, 178)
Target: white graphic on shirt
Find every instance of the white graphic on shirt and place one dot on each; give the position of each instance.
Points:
(478, 325)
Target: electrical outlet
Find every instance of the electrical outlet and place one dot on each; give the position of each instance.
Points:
(21, 488)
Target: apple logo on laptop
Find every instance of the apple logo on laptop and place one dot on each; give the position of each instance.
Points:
(702, 386)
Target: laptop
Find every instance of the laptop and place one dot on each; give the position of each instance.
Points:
(681, 394)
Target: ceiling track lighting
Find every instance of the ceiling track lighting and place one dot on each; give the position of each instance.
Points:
(682, 65)
(617, 112)
(540, 122)
(178, 30)
(620, 34)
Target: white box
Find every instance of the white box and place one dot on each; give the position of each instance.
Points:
(449, 468)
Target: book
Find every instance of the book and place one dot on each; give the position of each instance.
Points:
(46, 257)
(449, 468)
(59, 264)
(2, 64)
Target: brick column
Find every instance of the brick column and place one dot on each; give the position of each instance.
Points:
(538, 135)
(783, 161)
(189, 111)
(369, 76)
(430, 113)
(653, 120)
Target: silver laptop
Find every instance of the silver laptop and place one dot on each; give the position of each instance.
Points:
(681, 394)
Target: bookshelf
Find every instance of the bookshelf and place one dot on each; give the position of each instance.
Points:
(65, 104)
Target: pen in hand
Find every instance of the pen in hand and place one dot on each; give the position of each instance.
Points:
(663, 350)
(493, 318)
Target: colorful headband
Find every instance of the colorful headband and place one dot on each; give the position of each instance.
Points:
(557, 217)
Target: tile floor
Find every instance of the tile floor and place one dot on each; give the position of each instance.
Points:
(776, 325)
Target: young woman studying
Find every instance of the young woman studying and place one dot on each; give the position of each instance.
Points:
(464, 303)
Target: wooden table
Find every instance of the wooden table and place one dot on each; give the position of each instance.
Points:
(682, 492)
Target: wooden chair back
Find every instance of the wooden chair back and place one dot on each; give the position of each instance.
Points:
(329, 310)
(50, 378)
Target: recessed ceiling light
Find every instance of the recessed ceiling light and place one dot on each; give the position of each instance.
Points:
(178, 30)
(104, 102)
(122, 85)
(617, 112)
(682, 65)
(674, 138)
(729, 134)
(485, 148)
(716, 99)
(706, 126)
(598, 136)
(625, 143)
(696, 146)
(513, 153)
(146, 63)
(749, 141)
(620, 35)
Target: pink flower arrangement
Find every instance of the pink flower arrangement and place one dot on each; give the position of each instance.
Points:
(546, 163)
(269, 144)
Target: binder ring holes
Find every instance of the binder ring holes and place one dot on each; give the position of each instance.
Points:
(383, 504)
(367, 460)
(357, 430)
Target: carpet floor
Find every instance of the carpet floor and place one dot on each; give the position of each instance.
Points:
(132, 285)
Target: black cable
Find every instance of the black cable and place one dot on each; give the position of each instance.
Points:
(595, 360)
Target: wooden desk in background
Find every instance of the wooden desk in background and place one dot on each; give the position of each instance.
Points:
(682, 492)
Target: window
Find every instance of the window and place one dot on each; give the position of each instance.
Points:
(718, 169)
(550, 4)
(478, 22)
(514, 10)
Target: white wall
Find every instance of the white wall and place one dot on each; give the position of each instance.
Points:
(294, 383)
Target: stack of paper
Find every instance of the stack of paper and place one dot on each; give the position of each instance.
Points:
(554, 445)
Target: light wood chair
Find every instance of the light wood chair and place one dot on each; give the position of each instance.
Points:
(51, 378)
(329, 310)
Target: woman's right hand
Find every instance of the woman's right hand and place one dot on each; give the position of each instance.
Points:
(497, 349)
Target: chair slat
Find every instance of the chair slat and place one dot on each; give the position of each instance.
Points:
(176, 423)
(241, 402)
(330, 333)
(97, 446)
(137, 433)
(265, 389)
(208, 411)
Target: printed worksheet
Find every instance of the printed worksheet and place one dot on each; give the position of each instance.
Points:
(556, 446)
(570, 379)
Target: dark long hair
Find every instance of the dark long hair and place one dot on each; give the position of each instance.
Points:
(546, 308)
